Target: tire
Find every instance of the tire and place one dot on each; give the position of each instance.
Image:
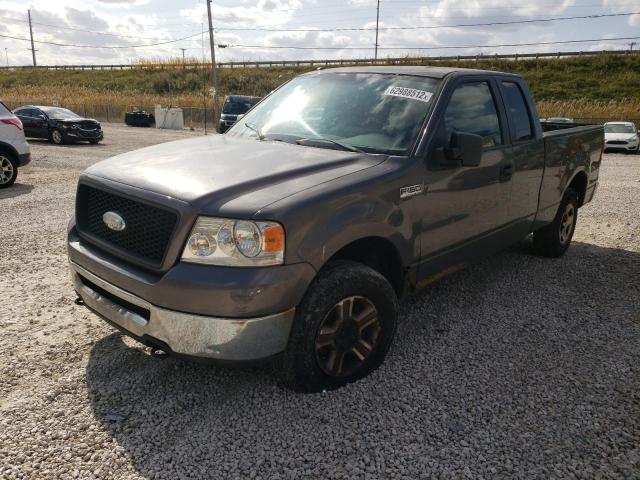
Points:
(554, 239)
(328, 349)
(57, 137)
(8, 170)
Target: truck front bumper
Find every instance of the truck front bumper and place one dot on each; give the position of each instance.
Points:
(228, 339)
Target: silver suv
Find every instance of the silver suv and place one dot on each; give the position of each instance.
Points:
(14, 149)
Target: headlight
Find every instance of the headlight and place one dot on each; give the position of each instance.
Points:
(235, 243)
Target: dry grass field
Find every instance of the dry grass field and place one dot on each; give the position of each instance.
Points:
(598, 87)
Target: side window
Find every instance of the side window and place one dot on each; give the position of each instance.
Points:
(472, 109)
(518, 111)
(23, 112)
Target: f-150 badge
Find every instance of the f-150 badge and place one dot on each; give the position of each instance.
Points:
(411, 190)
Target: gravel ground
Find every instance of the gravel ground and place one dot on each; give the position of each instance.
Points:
(517, 367)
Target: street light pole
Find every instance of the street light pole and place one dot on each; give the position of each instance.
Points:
(214, 78)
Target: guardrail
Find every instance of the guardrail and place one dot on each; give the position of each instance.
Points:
(326, 63)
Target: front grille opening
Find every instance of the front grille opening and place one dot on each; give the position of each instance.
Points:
(143, 312)
(148, 228)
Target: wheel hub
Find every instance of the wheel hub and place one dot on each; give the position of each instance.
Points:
(347, 336)
(566, 225)
(6, 170)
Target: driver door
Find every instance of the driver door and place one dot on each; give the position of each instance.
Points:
(465, 206)
(40, 124)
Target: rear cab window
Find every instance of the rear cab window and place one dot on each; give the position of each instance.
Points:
(472, 109)
(518, 111)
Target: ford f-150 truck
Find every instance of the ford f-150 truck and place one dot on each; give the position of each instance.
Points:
(293, 235)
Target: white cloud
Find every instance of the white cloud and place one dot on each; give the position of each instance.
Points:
(144, 22)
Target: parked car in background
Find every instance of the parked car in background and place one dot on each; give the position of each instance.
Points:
(14, 149)
(295, 233)
(234, 107)
(59, 125)
(558, 120)
(621, 136)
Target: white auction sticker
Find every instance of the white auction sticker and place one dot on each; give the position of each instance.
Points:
(412, 93)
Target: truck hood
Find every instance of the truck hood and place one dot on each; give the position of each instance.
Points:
(223, 174)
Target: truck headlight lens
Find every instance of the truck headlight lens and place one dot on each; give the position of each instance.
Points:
(235, 243)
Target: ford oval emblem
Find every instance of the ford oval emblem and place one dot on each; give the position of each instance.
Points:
(114, 221)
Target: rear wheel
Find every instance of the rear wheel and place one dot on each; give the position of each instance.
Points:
(8, 170)
(57, 137)
(343, 328)
(554, 239)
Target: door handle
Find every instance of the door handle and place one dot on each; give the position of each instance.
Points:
(506, 172)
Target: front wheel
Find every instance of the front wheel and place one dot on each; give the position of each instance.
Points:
(57, 137)
(8, 170)
(343, 328)
(554, 239)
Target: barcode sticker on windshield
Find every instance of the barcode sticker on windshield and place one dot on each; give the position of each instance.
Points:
(411, 93)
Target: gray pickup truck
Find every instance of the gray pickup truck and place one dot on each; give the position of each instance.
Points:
(293, 235)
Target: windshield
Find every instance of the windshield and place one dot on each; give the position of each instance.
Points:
(619, 129)
(376, 113)
(236, 106)
(59, 113)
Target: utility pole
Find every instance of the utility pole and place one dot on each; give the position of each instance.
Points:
(631, 45)
(6, 54)
(214, 78)
(33, 49)
(183, 49)
(377, 22)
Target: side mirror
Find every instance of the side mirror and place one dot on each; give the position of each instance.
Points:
(466, 147)
(465, 150)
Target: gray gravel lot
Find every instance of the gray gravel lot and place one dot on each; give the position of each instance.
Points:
(517, 367)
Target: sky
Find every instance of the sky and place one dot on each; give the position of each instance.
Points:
(319, 29)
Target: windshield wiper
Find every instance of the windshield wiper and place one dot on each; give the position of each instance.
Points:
(255, 128)
(344, 146)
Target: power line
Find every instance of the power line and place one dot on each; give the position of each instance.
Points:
(363, 29)
(441, 47)
(101, 46)
(459, 25)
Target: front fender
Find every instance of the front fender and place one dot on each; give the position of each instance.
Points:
(322, 220)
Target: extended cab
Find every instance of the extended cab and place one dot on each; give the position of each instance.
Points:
(294, 234)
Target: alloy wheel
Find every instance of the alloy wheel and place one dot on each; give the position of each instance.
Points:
(347, 336)
(6, 170)
(57, 136)
(567, 223)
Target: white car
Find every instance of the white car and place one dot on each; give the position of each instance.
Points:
(14, 149)
(621, 136)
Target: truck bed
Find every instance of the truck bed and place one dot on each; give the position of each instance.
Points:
(569, 148)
